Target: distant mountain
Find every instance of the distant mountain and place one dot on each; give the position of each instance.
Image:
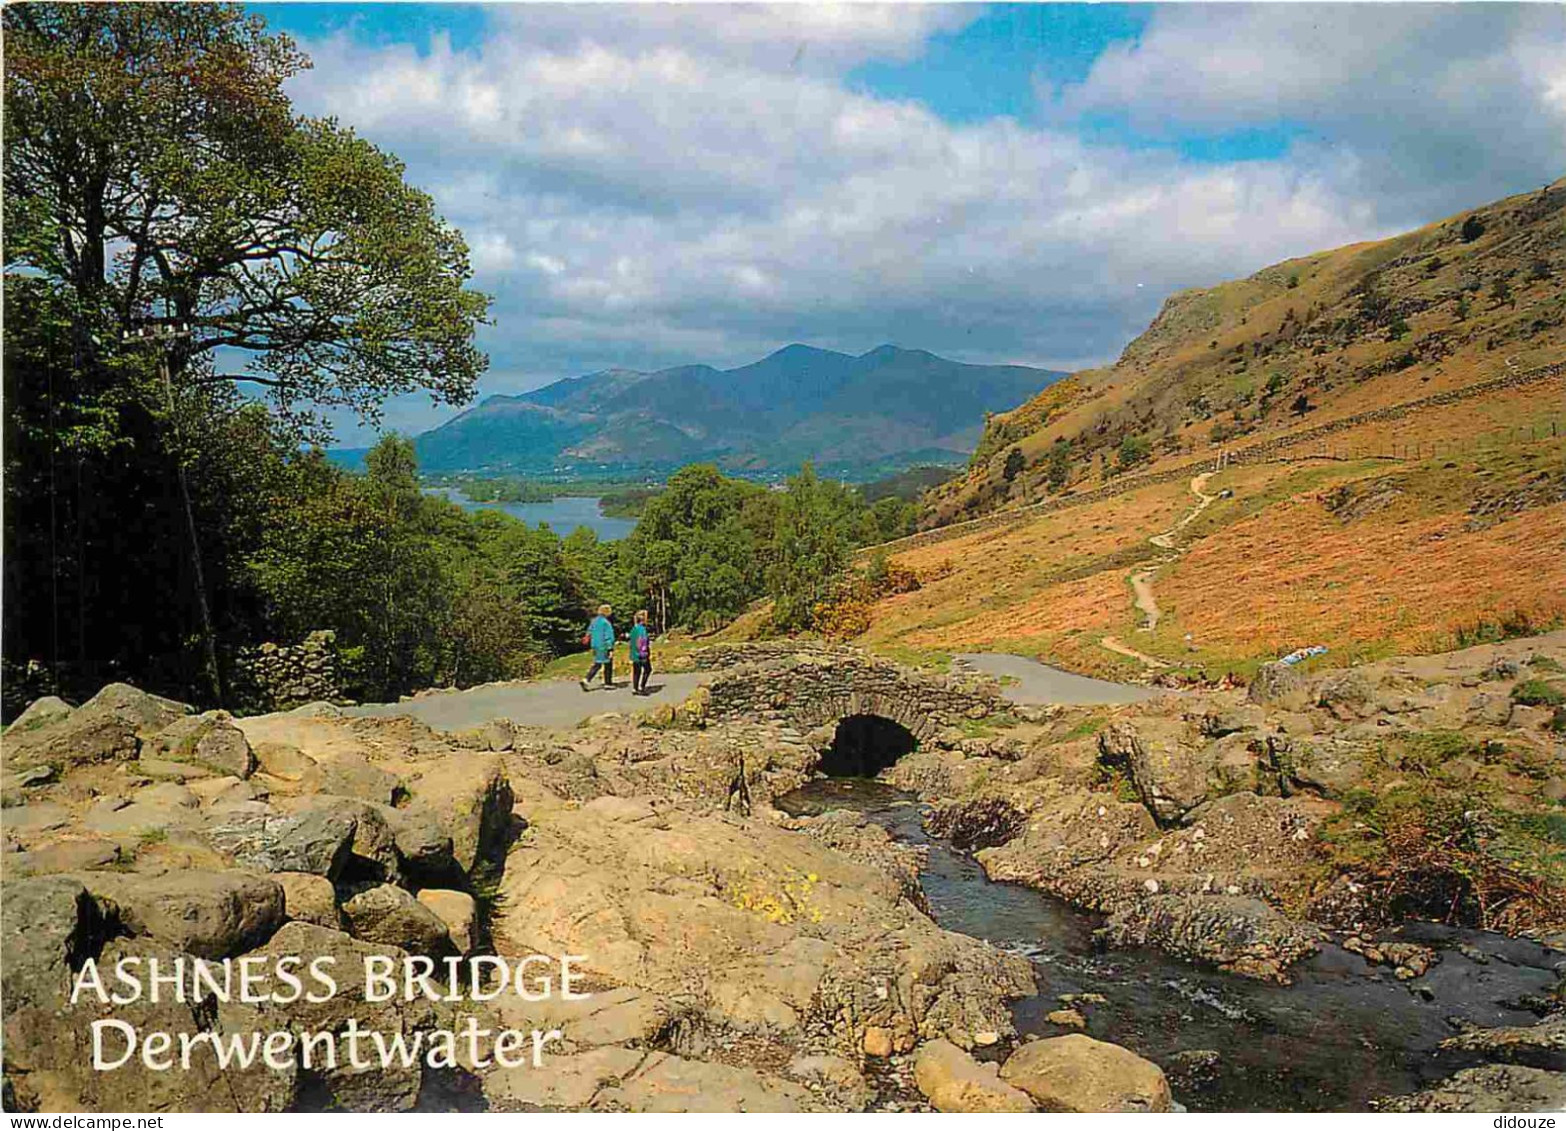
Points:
(888, 407)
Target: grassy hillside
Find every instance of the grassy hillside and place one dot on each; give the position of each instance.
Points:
(1304, 341)
(1431, 529)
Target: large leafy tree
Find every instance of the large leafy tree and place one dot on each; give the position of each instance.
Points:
(155, 169)
(155, 173)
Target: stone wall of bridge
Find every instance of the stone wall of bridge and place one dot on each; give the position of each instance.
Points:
(811, 687)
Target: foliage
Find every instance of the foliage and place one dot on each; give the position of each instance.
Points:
(846, 613)
(1433, 845)
(1537, 693)
(154, 166)
(1132, 451)
(1013, 465)
(809, 548)
(1059, 465)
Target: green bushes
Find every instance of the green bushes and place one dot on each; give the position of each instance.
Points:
(1537, 693)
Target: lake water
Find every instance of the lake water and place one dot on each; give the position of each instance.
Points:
(563, 514)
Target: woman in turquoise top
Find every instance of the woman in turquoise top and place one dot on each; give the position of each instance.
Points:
(641, 654)
(600, 637)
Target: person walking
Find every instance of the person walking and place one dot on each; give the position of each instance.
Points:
(641, 654)
(600, 637)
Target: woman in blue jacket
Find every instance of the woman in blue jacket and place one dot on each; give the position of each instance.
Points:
(600, 637)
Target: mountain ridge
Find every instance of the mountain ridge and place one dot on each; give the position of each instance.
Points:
(887, 406)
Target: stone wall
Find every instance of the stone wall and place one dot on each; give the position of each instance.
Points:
(813, 686)
(1259, 452)
(278, 677)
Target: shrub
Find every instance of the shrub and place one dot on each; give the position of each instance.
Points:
(1537, 693)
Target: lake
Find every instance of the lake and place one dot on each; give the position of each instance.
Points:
(563, 514)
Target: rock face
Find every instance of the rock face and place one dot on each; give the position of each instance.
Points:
(1169, 771)
(784, 931)
(1077, 1073)
(954, 1082)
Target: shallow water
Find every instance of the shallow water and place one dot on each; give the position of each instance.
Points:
(1342, 1035)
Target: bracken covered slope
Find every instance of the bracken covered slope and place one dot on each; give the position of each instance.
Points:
(1458, 302)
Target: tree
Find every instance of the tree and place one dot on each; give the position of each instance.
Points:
(1301, 405)
(1014, 464)
(1059, 464)
(1132, 451)
(154, 168)
(808, 552)
(156, 176)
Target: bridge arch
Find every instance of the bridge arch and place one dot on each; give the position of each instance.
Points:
(813, 688)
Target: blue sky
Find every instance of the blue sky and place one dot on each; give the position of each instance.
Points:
(658, 184)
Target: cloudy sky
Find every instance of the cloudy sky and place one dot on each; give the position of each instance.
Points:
(655, 185)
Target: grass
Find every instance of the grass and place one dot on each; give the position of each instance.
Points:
(1435, 843)
(1537, 693)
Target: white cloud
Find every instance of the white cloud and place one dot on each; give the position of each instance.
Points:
(660, 184)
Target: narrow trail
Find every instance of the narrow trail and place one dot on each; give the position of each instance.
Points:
(1142, 574)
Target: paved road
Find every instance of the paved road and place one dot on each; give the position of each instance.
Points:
(1039, 683)
(562, 703)
(549, 703)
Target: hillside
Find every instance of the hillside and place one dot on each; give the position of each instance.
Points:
(1299, 343)
(1417, 503)
(888, 407)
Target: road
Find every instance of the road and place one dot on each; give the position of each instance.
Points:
(546, 703)
(562, 703)
(1039, 683)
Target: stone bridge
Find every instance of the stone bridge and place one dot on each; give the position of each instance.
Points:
(814, 687)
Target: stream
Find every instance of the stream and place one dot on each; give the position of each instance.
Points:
(1343, 1034)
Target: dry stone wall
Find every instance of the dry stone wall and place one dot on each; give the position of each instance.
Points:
(278, 677)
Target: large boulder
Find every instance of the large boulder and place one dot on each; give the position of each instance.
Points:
(207, 914)
(1171, 773)
(352, 775)
(309, 899)
(1279, 685)
(954, 1082)
(208, 741)
(40, 712)
(393, 1086)
(318, 842)
(108, 727)
(389, 915)
(471, 796)
(1324, 765)
(51, 927)
(1237, 933)
(1075, 1073)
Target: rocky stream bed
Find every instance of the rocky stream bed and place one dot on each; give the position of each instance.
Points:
(1119, 907)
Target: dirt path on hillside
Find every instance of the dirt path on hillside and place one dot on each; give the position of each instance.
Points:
(1142, 574)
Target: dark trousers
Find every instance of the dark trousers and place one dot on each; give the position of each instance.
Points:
(607, 665)
(640, 670)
